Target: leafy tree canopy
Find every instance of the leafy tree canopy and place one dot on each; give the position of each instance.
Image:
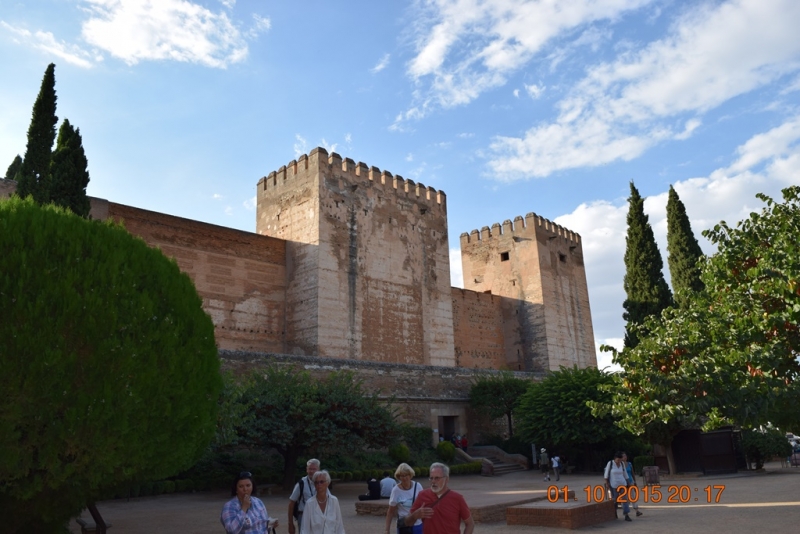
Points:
(498, 395)
(299, 415)
(731, 357)
(684, 252)
(762, 444)
(555, 412)
(108, 367)
(646, 290)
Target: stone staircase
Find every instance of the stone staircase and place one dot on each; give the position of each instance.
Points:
(501, 462)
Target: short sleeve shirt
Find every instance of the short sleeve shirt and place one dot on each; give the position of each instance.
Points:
(448, 514)
(308, 492)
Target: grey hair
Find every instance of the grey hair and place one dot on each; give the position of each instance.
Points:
(320, 474)
(312, 461)
(444, 468)
(404, 469)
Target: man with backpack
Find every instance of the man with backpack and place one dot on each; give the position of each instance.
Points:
(303, 491)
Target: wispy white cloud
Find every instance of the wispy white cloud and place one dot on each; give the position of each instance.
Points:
(217, 196)
(766, 163)
(300, 145)
(330, 147)
(502, 36)
(534, 91)
(382, 64)
(516, 93)
(250, 204)
(46, 42)
(456, 271)
(176, 30)
(622, 108)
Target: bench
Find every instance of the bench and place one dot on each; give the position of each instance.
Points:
(265, 489)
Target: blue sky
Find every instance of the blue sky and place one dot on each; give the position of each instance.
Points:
(509, 106)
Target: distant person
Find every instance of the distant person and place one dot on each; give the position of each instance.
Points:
(631, 481)
(464, 443)
(303, 492)
(387, 483)
(373, 491)
(441, 509)
(402, 499)
(245, 513)
(556, 461)
(322, 514)
(616, 477)
(544, 463)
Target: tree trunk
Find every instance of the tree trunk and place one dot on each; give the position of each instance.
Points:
(510, 428)
(289, 461)
(671, 459)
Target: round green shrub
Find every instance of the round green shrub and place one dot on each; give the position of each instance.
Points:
(348, 476)
(358, 475)
(169, 486)
(108, 356)
(400, 453)
(446, 451)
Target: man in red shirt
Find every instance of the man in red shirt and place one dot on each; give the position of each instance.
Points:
(441, 509)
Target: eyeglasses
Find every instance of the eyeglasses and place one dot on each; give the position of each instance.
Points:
(245, 474)
(434, 479)
(320, 482)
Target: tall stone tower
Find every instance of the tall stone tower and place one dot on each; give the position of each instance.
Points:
(368, 267)
(537, 267)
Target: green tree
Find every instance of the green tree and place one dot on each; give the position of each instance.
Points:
(762, 444)
(556, 412)
(498, 395)
(69, 176)
(646, 290)
(730, 357)
(296, 414)
(34, 174)
(108, 365)
(684, 252)
(13, 169)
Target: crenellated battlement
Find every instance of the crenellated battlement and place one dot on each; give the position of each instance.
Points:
(520, 227)
(359, 173)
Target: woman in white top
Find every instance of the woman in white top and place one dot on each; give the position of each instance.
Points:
(322, 514)
(401, 499)
(616, 477)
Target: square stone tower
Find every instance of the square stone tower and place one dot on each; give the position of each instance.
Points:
(368, 267)
(537, 268)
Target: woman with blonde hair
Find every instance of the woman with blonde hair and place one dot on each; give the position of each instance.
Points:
(403, 496)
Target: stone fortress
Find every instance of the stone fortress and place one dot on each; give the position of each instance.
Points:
(349, 268)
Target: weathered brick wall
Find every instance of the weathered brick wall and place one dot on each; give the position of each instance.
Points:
(239, 275)
(478, 330)
(538, 268)
(374, 253)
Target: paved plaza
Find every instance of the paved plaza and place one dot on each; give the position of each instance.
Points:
(749, 503)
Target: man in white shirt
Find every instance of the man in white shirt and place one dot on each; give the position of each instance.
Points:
(303, 491)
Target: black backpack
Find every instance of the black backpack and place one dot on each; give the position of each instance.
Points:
(296, 512)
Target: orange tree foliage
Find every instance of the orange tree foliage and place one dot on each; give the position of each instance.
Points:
(731, 356)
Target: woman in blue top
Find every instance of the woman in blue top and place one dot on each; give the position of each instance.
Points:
(245, 513)
(631, 481)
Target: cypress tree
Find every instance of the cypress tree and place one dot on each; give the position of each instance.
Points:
(69, 176)
(645, 288)
(13, 169)
(684, 252)
(35, 171)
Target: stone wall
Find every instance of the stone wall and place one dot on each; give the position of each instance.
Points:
(240, 276)
(538, 267)
(368, 261)
(478, 330)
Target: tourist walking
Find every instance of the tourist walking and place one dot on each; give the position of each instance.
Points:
(441, 509)
(544, 462)
(303, 492)
(245, 513)
(322, 514)
(402, 499)
(616, 477)
(631, 481)
(556, 460)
